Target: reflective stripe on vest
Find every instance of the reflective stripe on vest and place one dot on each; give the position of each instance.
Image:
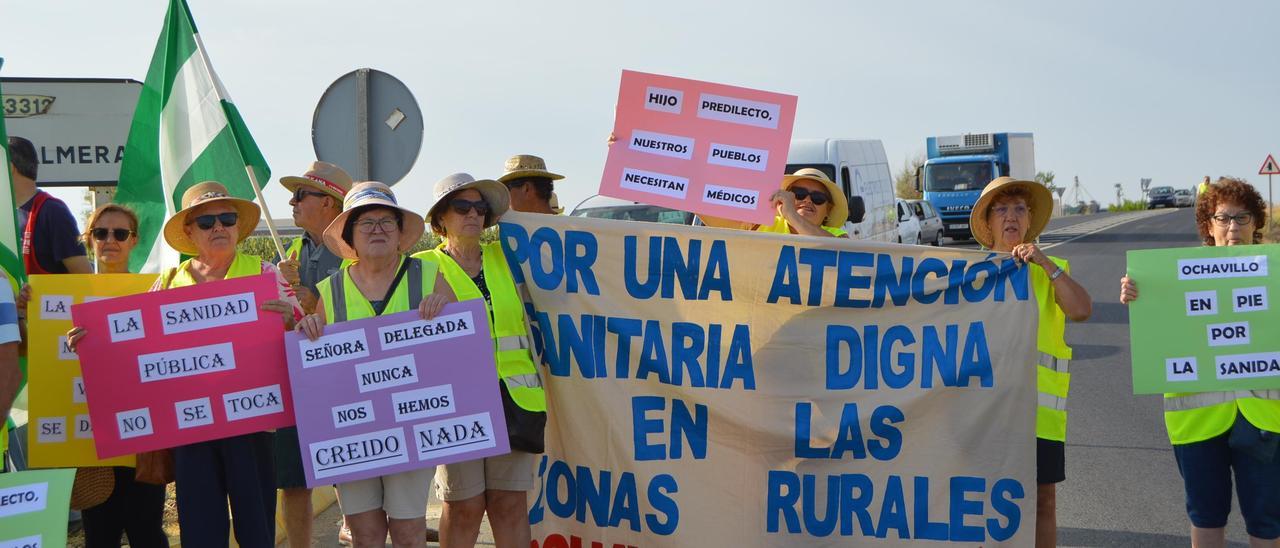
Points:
(343, 300)
(507, 325)
(1053, 378)
(1197, 400)
(1198, 416)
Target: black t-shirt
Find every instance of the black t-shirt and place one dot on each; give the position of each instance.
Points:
(54, 237)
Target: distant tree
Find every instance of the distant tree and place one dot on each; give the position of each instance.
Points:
(1045, 178)
(904, 183)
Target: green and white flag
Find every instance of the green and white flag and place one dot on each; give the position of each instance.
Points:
(10, 261)
(185, 130)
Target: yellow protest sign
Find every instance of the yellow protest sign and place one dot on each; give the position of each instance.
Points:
(59, 432)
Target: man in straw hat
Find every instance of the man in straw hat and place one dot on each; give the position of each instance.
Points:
(1008, 217)
(317, 201)
(529, 183)
(808, 203)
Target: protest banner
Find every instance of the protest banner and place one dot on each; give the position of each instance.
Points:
(697, 146)
(712, 387)
(185, 365)
(1204, 322)
(393, 393)
(33, 508)
(61, 434)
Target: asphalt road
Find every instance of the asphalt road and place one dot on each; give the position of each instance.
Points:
(1123, 487)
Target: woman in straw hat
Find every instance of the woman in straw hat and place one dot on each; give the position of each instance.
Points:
(374, 232)
(239, 468)
(464, 208)
(1008, 217)
(1217, 433)
(808, 203)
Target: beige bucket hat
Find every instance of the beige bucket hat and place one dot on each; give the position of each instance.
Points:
(323, 176)
(1041, 205)
(493, 192)
(363, 195)
(208, 192)
(839, 204)
(526, 165)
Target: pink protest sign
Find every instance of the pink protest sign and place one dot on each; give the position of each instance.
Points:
(182, 366)
(393, 393)
(697, 146)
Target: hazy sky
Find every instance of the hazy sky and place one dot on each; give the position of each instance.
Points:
(1114, 91)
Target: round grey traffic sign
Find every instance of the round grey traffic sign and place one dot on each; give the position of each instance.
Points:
(368, 123)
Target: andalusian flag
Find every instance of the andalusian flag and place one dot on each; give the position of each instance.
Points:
(10, 261)
(185, 130)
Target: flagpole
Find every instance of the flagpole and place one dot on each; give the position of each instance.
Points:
(271, 224)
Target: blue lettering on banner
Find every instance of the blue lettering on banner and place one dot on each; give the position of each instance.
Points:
(571, 259)
(668, 266)
(870, 356)
(793, 507)
(574, 492)
(884, 446)
(690, 427)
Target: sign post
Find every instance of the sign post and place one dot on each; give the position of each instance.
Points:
(1269, 168)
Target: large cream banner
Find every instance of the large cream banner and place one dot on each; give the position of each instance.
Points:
(709, 387)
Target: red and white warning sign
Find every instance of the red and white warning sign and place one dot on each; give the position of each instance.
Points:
(1269, 167)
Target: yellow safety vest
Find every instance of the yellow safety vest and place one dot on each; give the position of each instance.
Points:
(1197, 416)
(780, 226)
(507, 325)
(354, 305)
(242, 266)
(1202, 188)
(1053, 381)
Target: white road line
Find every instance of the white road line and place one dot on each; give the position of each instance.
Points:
(1087, 228)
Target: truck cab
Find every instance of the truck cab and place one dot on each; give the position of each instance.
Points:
(958, 167)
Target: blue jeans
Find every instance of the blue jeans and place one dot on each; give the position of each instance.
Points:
(1206, 469)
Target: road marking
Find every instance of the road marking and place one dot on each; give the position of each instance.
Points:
(1079, 230)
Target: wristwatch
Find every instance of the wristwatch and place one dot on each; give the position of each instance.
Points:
(1057, 274)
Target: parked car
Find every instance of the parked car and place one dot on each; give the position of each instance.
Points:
(930, 222)
(908, 223)
(1183, 198)
(1160, 196)
(605, 207)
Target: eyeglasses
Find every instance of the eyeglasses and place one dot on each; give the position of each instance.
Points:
(818, 197)
(1244, 218)
(301, 194)
(228, 220)
(121, 234)
(462, 207)
(386, 225)
(1004, 211)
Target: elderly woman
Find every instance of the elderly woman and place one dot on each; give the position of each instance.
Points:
(374, 232)
(239, 468)
(497, 486)
(1217, 433)
(808, 203)
(1008, 217)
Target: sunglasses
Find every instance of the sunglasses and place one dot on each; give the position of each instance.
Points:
(517, 183)
(301, 194)
(462, 207)
(120, 234)
(206, 222)
(818, 197)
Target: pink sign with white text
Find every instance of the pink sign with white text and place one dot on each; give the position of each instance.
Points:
(696, 146)
(185, 365)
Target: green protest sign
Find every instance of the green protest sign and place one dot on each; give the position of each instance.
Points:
(1203, 321)
(33, 508)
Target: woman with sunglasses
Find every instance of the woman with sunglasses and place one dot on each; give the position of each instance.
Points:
(240, 468)
(374, 232)
(808, 203)
(498, 486)
(1215, 434)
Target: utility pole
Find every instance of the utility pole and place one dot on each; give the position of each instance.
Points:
(1119, 196)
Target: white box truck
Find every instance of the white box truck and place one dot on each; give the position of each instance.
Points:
(861, 168)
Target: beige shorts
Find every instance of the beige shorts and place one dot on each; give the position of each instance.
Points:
(401, 496)
(463, 480)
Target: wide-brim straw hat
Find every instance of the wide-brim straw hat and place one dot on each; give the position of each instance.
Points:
(323, 176)
(526, 165)
(362, 196)
(493, 192)
(839, 204)
(1041, 205)
(209, 192)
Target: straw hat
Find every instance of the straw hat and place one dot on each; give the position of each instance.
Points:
(322, 176)
(93, 486)
(493, 192)
(839, 204)
(526, 165)
(1041, 205)
(361, 196)
(208, 192)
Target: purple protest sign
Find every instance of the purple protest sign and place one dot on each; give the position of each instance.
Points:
(393, 393)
